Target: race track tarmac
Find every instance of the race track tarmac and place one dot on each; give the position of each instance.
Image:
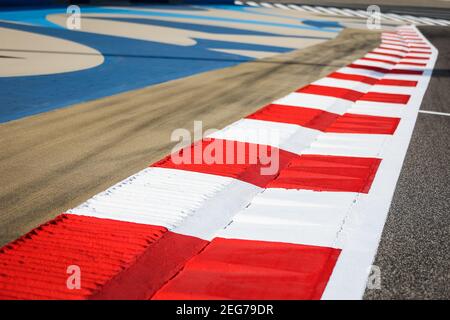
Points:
(413, 255)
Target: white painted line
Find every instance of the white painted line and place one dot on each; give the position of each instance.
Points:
(442, 22)
(435, 113)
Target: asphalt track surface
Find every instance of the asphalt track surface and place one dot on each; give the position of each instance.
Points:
(438, 9)
(57, 160)
(414, 252)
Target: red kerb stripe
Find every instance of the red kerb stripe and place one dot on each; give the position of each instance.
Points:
(419, 52)
(250, 269)
(328, 173)
(373, 68)
(311, 172)
(353, 77)
(394, 82)
(238, 160)
(402, 71)
(386, 97)
(306, 117)
(35, 265)
(418, 58)
(326, 121)
(342, 93)
(413, 64)
(419, 47)
(364, 124)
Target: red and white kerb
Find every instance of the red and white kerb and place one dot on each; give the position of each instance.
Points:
(224, 231)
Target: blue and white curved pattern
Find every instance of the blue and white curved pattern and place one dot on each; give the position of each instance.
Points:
(45, 66)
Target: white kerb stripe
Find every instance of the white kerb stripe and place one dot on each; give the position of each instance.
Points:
(393, 89)
(265, 4)
(290, 137)
(311, 9)
(307, 217)
(325, 10)
(341, 83)
(348, 144)
(190, 203)
(382, 57)
(340, 12)
(363, 13)
(410, 77)
(281, 6)
(384, 16)
(295, 7)
(314, 101)
(389, 51)
(374, 64)
(361, 72)
(252, 4)
(354, 13)
(377, 109)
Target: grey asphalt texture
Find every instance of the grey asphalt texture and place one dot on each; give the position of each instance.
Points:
(439, 9)
(414, 252)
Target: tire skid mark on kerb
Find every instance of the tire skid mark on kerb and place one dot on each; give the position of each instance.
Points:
(299, 229)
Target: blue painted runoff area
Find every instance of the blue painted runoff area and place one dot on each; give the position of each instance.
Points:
(128, 63)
